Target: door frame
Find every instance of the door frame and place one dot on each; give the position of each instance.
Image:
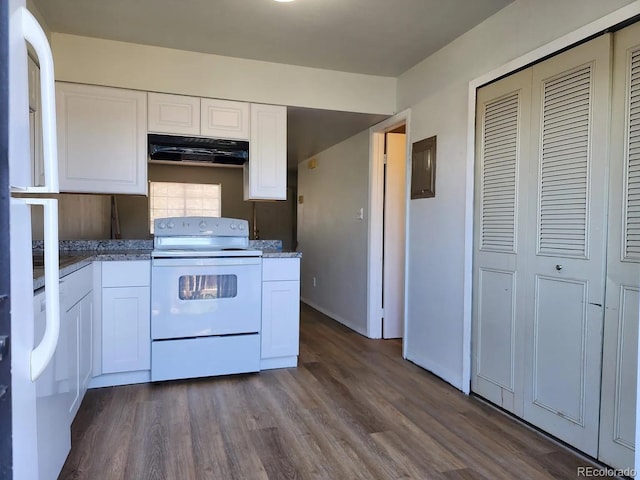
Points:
(376, 213)
(581, 34)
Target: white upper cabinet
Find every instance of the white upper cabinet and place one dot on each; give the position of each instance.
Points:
(173, 114)
(102, 139)
(265, 175)
(224, 119)
(206, 117)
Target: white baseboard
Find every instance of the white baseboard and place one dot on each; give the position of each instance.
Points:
(280, 362)
(337, 318)
(126, 378)
(438, 370)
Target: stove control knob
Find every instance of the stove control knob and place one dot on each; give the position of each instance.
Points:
(203, 224)
(161, 225)
(170, 225)
(233, 226)
(241, 226)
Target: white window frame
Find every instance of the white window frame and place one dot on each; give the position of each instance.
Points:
(188, 200)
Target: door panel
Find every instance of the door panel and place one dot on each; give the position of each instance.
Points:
(619, 367)
(565, 274)
(496, 331)
(394, 236)
(503, 117)
(560, 338)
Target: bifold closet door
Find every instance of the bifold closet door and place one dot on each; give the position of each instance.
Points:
(540, 230)
(565, 271)
(502, 150)
(620, 354)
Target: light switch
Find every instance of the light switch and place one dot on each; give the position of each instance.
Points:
(360, 215)
(300, 199)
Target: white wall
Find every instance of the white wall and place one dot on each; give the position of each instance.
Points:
(128, 65)
(332, 240)
(436, 90)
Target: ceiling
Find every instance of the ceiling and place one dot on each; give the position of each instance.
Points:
(377, 37)
(311, 131)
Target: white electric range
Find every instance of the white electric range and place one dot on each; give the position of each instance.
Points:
(206, 290)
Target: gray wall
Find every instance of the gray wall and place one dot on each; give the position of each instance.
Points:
(80, 217)
(332, 239)
(275, 219)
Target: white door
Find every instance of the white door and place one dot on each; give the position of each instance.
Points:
(620, 350)
(565, 275)
(394, 236)
(500, 236)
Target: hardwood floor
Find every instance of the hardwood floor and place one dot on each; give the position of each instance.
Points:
(353, 409)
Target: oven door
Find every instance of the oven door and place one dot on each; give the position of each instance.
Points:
(198, 297)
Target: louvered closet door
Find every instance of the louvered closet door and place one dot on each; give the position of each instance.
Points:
(617, 421)
(502, 123)
(565, 273)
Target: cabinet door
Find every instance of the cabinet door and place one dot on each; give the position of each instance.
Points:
(174, 114)
(265, 175)
(280, 318)
(86, 343)
(224, 119)
(102, 139)
(52, 397)
(72, 320)
(126, 338)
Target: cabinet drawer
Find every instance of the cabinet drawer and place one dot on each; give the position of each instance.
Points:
(75, 286)
(126, 274)
(204, 357)
(274, 269)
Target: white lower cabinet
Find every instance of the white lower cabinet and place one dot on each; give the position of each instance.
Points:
(52, 401)
(75, 332)
(280, 312)
(126, 338)
(61, 387)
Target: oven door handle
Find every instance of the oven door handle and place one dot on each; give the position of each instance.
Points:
(206, 262)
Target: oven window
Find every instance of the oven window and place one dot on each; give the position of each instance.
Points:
(207, 287)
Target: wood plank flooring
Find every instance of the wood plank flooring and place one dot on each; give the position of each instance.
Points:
(353, 409)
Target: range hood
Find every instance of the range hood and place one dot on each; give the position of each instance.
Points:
(171, 148)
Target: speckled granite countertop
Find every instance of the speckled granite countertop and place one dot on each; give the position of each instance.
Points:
(280, 254)
(72, 260)
(76, 254)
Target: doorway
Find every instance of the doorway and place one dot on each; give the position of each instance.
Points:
(387, 228)
(393, 243)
